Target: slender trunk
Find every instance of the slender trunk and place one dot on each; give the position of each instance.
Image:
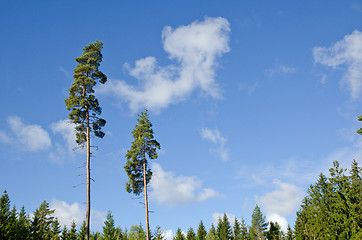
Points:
(88, 179)
(145, 187)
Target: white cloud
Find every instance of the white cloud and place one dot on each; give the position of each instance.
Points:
(279, 69)
(67, 130)
(214, 136)
(281, 202)
(195, 48)
(284, 200)
(344, 53)
(178, 190)
(66, 213)
(27, 137)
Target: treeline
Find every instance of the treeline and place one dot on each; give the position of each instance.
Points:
(332, 209)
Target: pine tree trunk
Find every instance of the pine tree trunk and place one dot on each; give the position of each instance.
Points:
(88, 179)
(145, 188)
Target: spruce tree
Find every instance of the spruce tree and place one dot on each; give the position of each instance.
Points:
(201, 232)
(81, 233)
(258, 224)
(42, 221)
(136, 232)
(179, 235)
(224, 231)
(244, 230)
(64, 235)
(84, 105)
(4, 215)
(55, 229)
(72, 235)
(191, 234)
(23, 226)
(237, 230)
(142, 150)
(212, 235)
(109, 229)
(158, 234)
(274, 232)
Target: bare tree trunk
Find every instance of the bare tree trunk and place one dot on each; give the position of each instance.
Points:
(88, 179)
(145, 187)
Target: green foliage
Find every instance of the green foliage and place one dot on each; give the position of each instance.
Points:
(136, 232)
(244, 230)
(332, 208)
(191, 234)
(179, 235)
(55, 230)
(64, 235)
(201, 231)
(81, 233)
(224, 231)
(258, 224)
(237, 230)
(274, 232)
(289, 233)
(72, 235)
(143, 146)
(212, 235)
(158, 234)
(109, 229)
(81, 101)
(42, 221)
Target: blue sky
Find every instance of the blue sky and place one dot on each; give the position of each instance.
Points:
(249, 100)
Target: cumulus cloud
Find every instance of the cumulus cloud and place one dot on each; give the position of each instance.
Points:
(67, 213)
(194, 48)
(344, 53)
(215, 136)
(281, 202)
(28, 137)
(172, 190)
(66, 129)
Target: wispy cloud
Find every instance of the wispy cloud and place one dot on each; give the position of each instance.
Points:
(172, 190)
(344, 53)
(195, 49)
(215, 136)
(29, 137)
(279, 69)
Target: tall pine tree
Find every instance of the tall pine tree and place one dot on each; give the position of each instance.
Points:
(201, 232)
(142, 150)
(84, 105)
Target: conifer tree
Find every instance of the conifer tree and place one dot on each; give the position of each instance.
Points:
(258, 224)
(4, 216)
(201, 232)
(64, 235)
(84, 105)
(212, 235)
(41, 223)
(244, 230)
(179, 235)
(274, 232)
(142, 150)
(191, 234)
(289, 233)
(136, 232)
(158, 234)
(55, 229)
(224, 231)
(81, 233)
(23, 226)
(72, 235)
(237, 230)
(109, 229)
